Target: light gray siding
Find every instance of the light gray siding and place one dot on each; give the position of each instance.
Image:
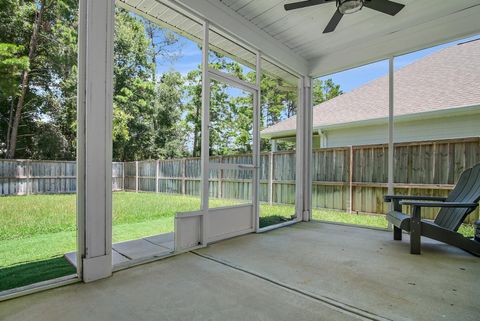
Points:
(418, 130)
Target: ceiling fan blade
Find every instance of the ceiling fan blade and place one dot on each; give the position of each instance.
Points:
(385, 6)
(332, 24)
(303, 4)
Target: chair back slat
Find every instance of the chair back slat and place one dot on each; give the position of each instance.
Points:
(467, 190)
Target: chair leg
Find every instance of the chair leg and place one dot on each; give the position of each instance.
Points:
(397, 233)
(415, 231)
(415, 243)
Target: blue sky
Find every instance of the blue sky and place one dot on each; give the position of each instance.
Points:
(190, 56)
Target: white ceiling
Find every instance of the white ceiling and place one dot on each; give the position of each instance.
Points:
(301, 30)
(295, 38)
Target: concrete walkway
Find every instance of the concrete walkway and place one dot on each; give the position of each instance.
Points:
(309, 271)
(128, 252)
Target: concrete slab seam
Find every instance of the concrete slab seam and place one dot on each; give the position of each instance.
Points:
(343, 307)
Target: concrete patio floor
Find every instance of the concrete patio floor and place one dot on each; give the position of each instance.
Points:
(363, 268)
(309, 271)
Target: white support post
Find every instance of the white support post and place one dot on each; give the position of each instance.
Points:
(304, 151)
(205, 144)
(307, 161)
(390, 124)
(94, 134)
(256, 142)
(391, 147)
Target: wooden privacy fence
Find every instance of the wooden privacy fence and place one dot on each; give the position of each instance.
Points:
(347, 178)
(24, 177)
(355, 178)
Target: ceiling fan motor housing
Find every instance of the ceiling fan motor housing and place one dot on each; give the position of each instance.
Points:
(349, 6)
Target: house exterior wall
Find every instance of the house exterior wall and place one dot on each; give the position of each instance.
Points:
(418, 130)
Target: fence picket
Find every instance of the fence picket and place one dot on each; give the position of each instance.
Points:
(350, 178)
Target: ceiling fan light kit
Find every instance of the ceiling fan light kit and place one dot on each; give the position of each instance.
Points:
(349, 6)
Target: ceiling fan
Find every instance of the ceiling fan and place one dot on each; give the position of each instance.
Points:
(347, 7)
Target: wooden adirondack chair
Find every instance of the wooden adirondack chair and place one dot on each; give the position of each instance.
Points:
(461, 201)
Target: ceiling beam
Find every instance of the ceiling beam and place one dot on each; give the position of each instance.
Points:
(452, 27)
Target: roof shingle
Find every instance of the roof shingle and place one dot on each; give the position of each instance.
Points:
(449, 78)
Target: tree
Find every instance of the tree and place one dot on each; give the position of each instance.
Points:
(324, 90)
(278, 100)
(25, 81)
(231, 112)
(193, 106)
(133, 90)
(12, 65)
(59, 82)
(35, 28)
(163, 44)
(154, 115)
(147, 112)
(39, 31)
(224, 122)
(38, 51)
(168, 130)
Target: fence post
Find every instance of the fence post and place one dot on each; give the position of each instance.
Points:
(184, 175)
(136, 176)
(157, 172)
(28, 167)
(350, 182)
(270, 171)
(123, 176)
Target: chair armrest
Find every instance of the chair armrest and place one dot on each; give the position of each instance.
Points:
(389, 198)
(439, 204)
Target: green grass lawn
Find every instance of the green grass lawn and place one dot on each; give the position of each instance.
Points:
(36, 230)
(33, 272)
(37, 227)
